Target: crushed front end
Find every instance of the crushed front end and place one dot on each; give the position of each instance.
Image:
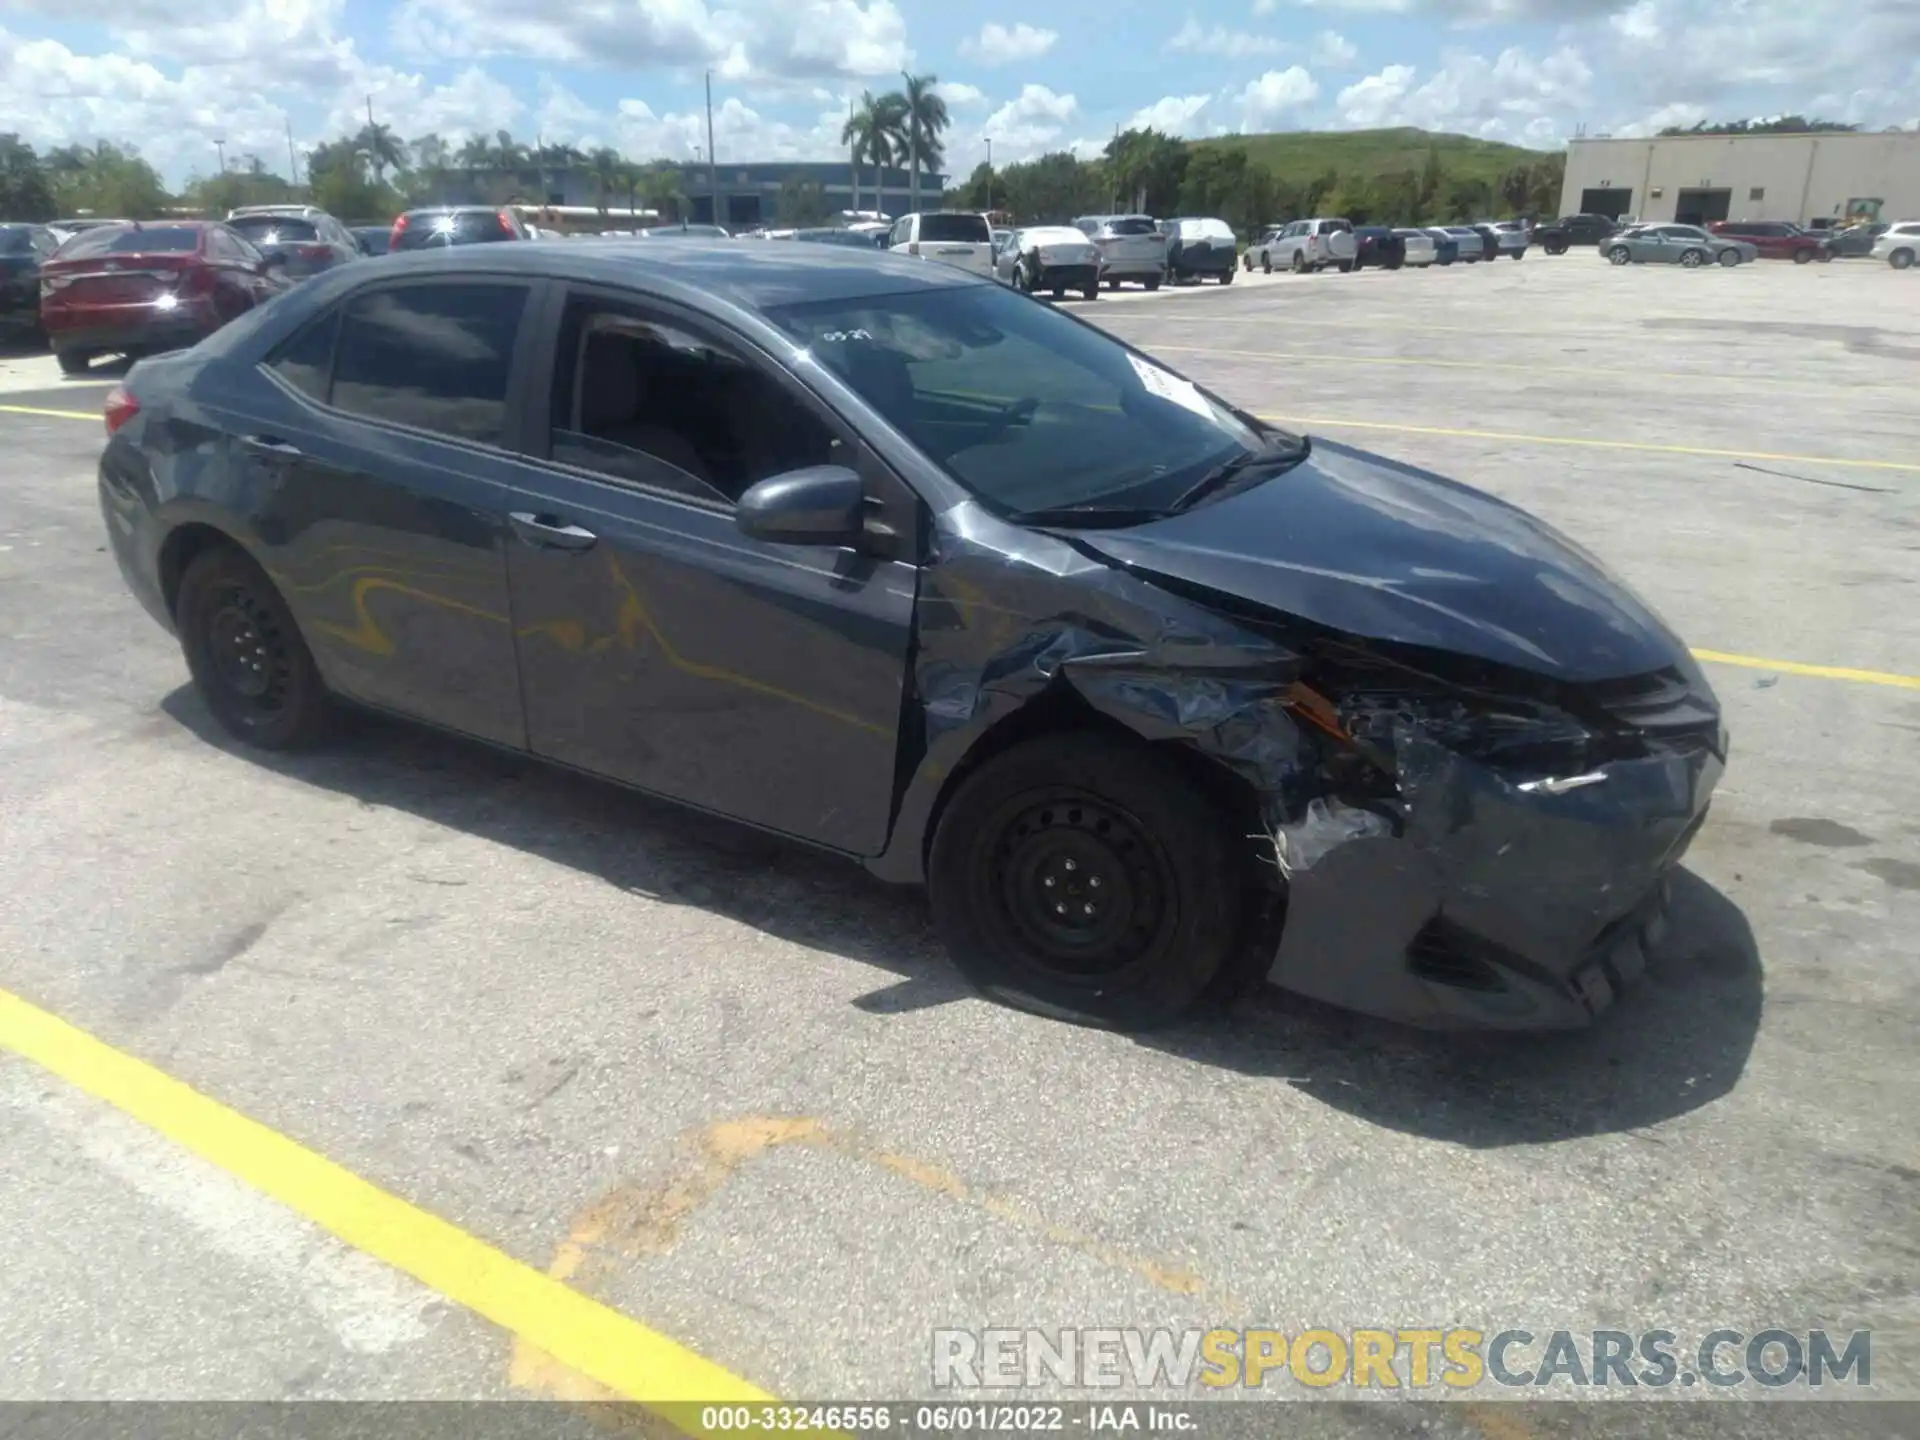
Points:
(1486, 849)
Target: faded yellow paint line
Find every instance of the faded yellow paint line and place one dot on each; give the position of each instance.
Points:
(1822, 672)
(631, 1361)
(1421, 362)
(1591, 442)
(93, 415)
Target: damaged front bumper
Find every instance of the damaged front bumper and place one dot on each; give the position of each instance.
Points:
(1495, 902)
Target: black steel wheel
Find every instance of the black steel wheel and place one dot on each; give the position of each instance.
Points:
(1081, 877)
(246, 654)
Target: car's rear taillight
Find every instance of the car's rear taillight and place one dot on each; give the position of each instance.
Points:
(313, 252)
(119, 408)
(505, 218)
(194, 280)
(399, 229)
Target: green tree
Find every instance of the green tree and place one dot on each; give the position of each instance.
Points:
(1465, 198)
(339, 176)
(924, 119)
(606, 167)
(1544, 184)
(1427, 196)
(384, 150)
(1146, 168)
(875, 133)
(979, 191)
(107, 180)
(26, 193)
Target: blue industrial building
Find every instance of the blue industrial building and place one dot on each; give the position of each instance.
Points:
(749, 194)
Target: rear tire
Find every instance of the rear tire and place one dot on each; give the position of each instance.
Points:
(1901, 259)
(73, 362)
(1059, 292)
(1153, 282)
(1692, 259)
(247, 657)
(1266, 264)
(1226, 277)
(1092, 292)
(1803, 257)
(1729, 258)
(1346, 267)
(1083, 877)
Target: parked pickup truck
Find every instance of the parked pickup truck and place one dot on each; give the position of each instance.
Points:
(1556, 237)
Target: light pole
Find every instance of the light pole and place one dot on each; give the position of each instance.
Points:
(220, 149)
(713, 175)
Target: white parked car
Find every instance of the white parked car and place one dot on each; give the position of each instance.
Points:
(1900, 246)
(1132, 247)
(1054, 258)
(1311, 245)
(960, 238)
(1420, 246)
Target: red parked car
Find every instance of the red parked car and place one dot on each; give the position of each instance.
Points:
(139, 288)
(1776, 239)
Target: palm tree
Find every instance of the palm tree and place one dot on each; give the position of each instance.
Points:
(384, 149)
(606, 174)
(924, 117)
(875, 132)
(506, 155)
(660, 182)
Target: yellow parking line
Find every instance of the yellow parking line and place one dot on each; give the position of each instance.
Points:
(93, 415)
(631, 1360)
(1585, 371)
(1823, 672)
(1589, 442)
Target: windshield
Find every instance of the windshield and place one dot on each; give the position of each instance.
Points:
(940, 229)
(133, 240)
(1029, 410)
(274, 229)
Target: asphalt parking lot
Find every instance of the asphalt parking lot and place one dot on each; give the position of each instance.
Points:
(733, 1091)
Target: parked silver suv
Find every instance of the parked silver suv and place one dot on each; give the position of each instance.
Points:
(1309, 245)
(1131, 247)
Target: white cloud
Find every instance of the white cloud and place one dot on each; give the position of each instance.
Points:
(955, 93)
(1499, 98)
(1351, 7)
(998, 44)
(1170, 114)
(1332, 51)
(791, 39)
(1029, 124)
(740, 134)
(1682, 113)
(1197, 39)
(1276, 95)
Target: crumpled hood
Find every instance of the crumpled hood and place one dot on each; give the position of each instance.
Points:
(1384, 551)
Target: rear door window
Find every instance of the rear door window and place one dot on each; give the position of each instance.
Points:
(434, 357)
(955, 229)
(306, 361)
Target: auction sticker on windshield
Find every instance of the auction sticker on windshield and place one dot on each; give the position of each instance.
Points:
(1169, 386)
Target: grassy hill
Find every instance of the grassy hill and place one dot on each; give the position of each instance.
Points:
(1299, 156)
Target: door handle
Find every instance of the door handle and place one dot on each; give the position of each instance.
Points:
(548, 532)
(266, 444)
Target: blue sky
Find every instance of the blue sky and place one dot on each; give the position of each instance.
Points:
(172, 76)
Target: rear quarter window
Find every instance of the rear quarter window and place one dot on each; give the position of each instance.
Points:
(955, 229)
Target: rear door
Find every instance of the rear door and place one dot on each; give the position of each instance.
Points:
(661, 646)
(378, 486)
(961, 240)
(1132, 242)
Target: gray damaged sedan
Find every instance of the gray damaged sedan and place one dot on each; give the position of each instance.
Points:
(889, 559)
(1053, 258)
(1686, 245)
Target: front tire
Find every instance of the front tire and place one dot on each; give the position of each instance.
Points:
(1619, 255)
(1692, 259)
(73, 362)
(1084, 878)
(1266, 264)
(1092, 292)
(245, 652)
(1299, 265)
(1803, 257)
(1901, 259)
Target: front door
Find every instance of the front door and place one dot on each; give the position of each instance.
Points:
(660, 646)
(376, 482)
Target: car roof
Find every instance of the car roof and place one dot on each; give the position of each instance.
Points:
(752, 277)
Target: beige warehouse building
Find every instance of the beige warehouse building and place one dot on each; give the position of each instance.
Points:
(1697, 179)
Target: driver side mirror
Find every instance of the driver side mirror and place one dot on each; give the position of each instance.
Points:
(816, 505)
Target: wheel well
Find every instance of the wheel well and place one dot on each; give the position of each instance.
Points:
(179, 550)
(1060, 710)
